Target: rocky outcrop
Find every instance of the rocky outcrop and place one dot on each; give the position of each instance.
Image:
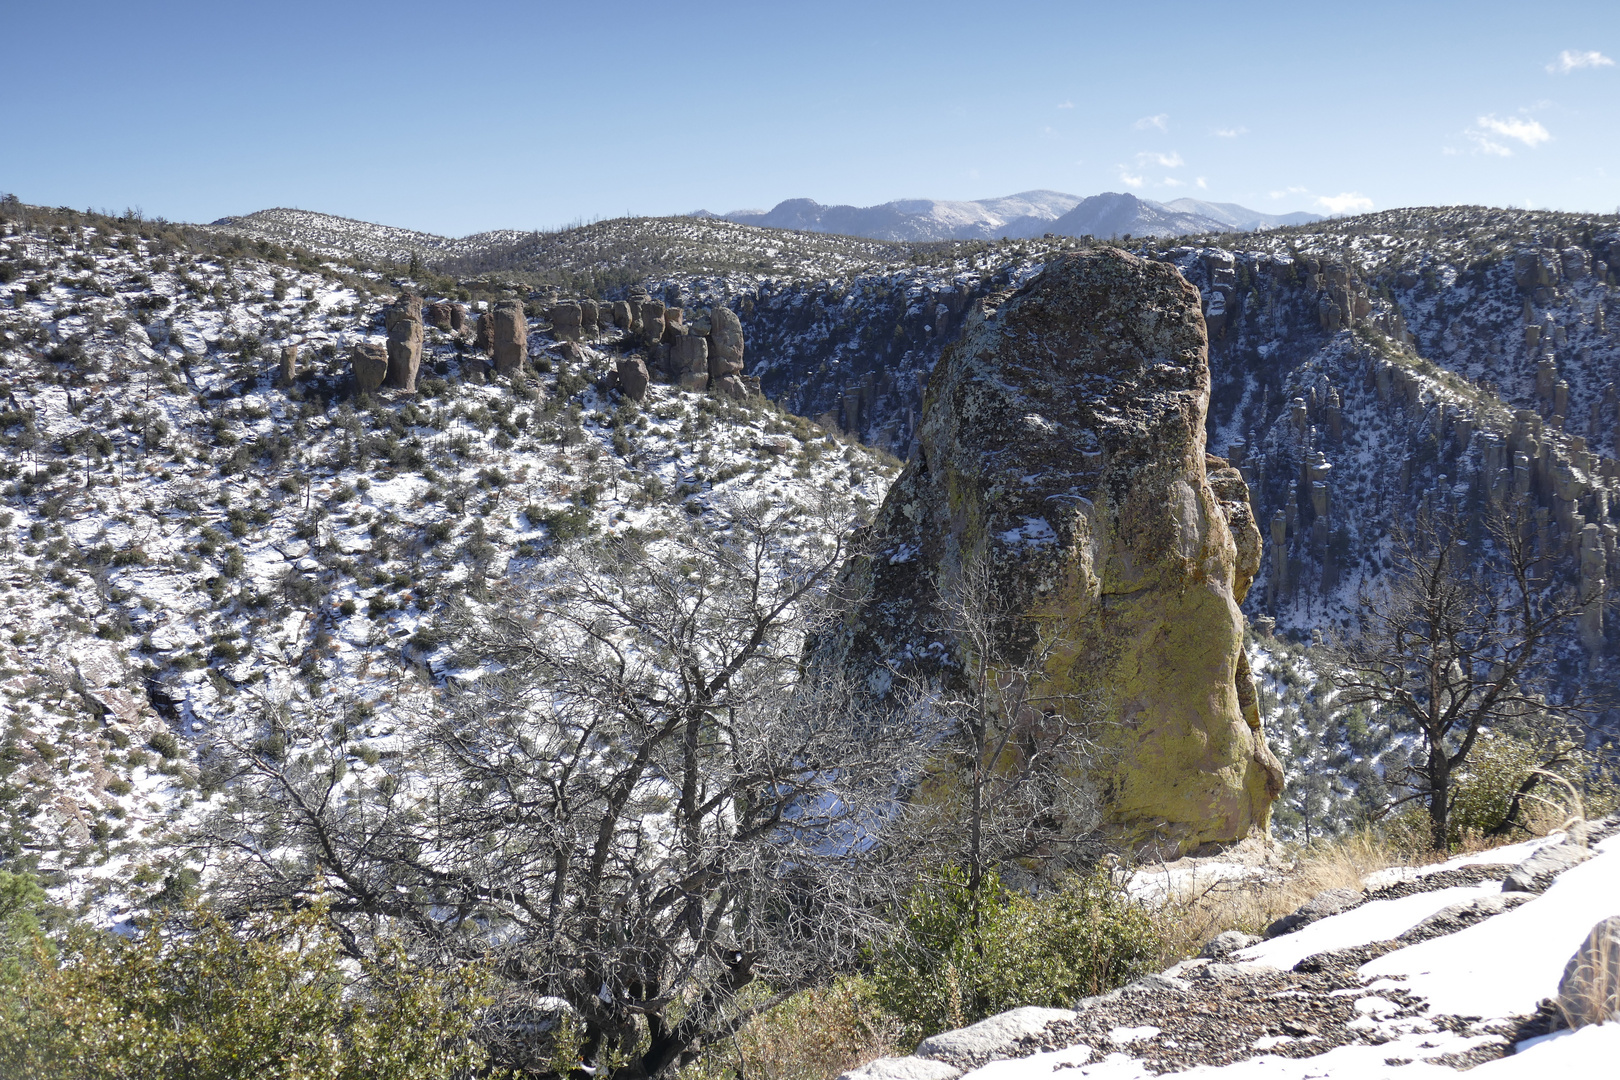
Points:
(633, 378)
(287, 370)
(726, 342)
(369, 363)
(446, 315)
(689, 363)
(623, 318)
(566, 321)
(484, 335)
(404, 322)
(511, 337)
(650, 321)
(1062, 446)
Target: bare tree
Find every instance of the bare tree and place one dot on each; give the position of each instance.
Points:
(1466, 637)
(1017, 753)
(642, 806)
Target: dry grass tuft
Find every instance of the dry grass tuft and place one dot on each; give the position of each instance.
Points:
(814, 1035)
(1188, 921)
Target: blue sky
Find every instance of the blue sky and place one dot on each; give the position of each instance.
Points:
(455, 119)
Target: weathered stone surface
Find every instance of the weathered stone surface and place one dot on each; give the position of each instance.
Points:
(726, 339)
(566, 321)
(650, 320)
(404, 321)
(992, 1039)
(689, 356)
(458, 318)
(731, 386)
(633, 378)
(441, 313)
(1320, 906)
(484, 335)
(511, 343)
(589, 314)
(1538, 871)
(674, 323)
(370, 365)
(623, 317)
(287, 370)
(1589, 992)
(903, 1068)
(1062, 441)
(1225, 944)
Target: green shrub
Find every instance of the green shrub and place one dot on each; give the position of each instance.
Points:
(567, 524)
(272, 1001)
(942, 971)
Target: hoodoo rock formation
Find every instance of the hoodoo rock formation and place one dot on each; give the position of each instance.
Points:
(511, 337)
(1062, 444)
(404, 322)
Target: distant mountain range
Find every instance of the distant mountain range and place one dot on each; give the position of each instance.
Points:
(1029, 213)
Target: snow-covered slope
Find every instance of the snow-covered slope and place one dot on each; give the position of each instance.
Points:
(1239, 217)
(1435, 973)
(191, 556)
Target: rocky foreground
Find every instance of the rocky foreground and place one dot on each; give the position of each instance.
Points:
(1482, 963)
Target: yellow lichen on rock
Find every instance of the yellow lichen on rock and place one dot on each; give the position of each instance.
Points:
(1062, 441)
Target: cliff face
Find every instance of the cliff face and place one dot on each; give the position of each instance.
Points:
(1062, 441)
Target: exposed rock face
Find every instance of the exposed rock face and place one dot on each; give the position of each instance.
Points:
(633, 377)
(650, 320)
(1062, 440)
(588, 314)
(689, 363)
(404, 321)
(1589, 992)
(511, 340)
(566, 319)
(623, 317)
(726, 341)
(370, 365)
(484, 335)
(287, 371)
(441, 314)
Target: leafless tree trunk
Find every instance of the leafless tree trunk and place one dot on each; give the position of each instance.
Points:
(1018, 753)
(1465, 638)
(642, 806)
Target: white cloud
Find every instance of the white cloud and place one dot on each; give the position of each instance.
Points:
(1529, 132)
(1129, 180)
(1200, 182)
(1569, 60)
(1490, 130)
(1171, 181)
(1066, 105)
(1172, 160)
(1231, 132)
(1285, 192)
(1345, 203)
(1160, 121)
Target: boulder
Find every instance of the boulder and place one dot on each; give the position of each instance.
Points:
(633, 378)
(674, 324)
(370, 365)
(726, 339)
(1537, 872)
(404, 323)
(1320, 906)
(623, 317)
(511, 343)
(689, 362)
(589, 315)
(566, 321)
(902, 1068)
(1225, 944)
(287, 370)
(998, 1037)
(407, 306)
(1062, 445)
(441, 313)
(484, 335)
(650, 321)
(731, 386)
(1589, 992)
(458, 318)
